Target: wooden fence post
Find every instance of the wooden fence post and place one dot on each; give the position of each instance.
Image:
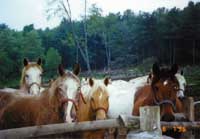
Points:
(149, 124)
(150, 118)
(189, 108)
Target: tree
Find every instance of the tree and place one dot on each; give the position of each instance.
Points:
(52, 60)
(31, 47)
(63, 7)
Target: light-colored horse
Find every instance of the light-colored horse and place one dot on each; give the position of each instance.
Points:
(96, 104)
(121, 96)
(31, 79)
(182, 84)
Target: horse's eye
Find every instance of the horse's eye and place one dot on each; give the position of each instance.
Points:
(79, 88)
(40, 75)
(175, 87)
(156, 88)
(92, 99)
(26, 76)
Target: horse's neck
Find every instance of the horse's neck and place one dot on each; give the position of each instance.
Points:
(24, 88)
(84, 110)
(149, 95)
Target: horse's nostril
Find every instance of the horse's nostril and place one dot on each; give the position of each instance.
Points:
(168, 117)
(182, 98)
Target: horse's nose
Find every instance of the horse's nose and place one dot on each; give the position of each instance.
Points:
(100, 118)
(181, 98)
(73, 115)
(168, 117)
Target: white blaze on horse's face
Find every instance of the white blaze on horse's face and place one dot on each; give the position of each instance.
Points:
(33, 80)
(71, 88)
(182, 84)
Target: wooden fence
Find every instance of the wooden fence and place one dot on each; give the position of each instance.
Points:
(142, 123)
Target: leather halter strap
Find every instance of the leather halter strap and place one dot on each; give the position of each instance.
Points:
(165, 101)
(74, 102)
(66, 100)
(33, 83)
(101, 108)
(82, 97)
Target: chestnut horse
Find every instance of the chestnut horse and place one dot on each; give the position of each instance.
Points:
(144, 80)
(162, 92)
(31, 79)
(54, 105)
(95, 106)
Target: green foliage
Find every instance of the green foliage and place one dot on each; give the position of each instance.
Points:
(31, 45)
(52, 60)
(167, 35)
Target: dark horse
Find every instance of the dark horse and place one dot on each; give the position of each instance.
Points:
(161, 92)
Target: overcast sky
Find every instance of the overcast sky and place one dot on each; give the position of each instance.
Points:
(18, 13)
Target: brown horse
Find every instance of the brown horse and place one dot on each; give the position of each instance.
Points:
(52, 106)
(96, 106)
(162, 92)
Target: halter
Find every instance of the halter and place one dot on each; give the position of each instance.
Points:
(74, 102)
(66, 100)
(33, 83)
(166, 101)
(101, 108)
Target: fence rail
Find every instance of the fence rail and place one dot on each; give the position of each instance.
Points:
(123, 121)
(36, 131)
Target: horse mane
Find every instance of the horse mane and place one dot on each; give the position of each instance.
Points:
(25, 68)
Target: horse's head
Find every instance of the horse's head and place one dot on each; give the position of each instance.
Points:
(182, 85)
(165, 85)
(181, 80)
(32, 76)
(99, 98)
(68, 87)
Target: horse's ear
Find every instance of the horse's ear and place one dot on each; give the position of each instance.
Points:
(156, 69)
(149, 78)
(25, 61)
(39, 61)
(181, 72)
(174, 69)
(107, 81)
(76, 69)
(61, 70)
(91, 82)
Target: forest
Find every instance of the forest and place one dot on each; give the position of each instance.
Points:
(115, 41)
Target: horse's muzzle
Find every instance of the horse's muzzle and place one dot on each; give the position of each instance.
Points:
(168, 117)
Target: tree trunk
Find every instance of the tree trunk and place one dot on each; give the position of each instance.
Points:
(108, 53)
(174, 53)
(84, 54)
(193, 53)
(86, 45)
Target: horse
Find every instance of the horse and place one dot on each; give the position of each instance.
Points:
(95, 106)
(182, 85)
(121, 96)
(161, 92)
(54, 105)
(144, 80)
(31, 78)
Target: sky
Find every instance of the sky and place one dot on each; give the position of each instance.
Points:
(18, 13)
